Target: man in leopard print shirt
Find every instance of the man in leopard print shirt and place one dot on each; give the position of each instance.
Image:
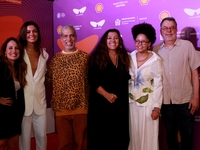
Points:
(67, 73)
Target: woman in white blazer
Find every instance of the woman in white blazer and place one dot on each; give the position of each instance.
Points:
(34, 91)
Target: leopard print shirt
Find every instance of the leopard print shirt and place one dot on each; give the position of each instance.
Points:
(68, 75)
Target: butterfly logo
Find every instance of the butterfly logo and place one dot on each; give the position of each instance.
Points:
(117, 22)
(191, 12)
(78, 11)
(97, 24)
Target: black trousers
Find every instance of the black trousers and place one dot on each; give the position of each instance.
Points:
(177, 117)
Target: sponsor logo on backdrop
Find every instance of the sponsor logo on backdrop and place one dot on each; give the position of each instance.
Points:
(78, 27)
(59, 29)
(79, 12)
(97, 25)
(144, 2)
(127, 20)
(197, 118)
(124, 21)
(184, 34)
(60, 15)
(99, 8)
(195, 13)
(120, 4)
(164, 14)
(117, 22)
(142, 19)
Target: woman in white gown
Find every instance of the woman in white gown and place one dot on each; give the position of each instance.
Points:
(145, 90)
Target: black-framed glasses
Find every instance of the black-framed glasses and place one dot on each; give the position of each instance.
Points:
(165, 28)
(143, 42)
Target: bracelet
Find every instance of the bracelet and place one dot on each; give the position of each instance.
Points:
(156, 110)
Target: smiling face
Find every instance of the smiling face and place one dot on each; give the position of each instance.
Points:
(142, 43)
(12, 52)
(31, 34)
(68, 39)
(169, 31)
(112, 41)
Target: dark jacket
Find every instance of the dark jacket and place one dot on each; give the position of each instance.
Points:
(10, 116)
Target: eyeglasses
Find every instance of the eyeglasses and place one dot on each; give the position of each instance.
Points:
(167, 28)
(143, 42)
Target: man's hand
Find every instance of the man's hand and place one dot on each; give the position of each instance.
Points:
(194, 105)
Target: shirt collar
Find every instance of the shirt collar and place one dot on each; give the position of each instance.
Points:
(176, 43)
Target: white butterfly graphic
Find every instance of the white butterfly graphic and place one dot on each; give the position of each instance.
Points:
(97, 24)
(77, 11)
(191, 12)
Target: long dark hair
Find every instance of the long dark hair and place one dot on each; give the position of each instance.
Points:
(23, 33)
(20, 66)
(100, 53)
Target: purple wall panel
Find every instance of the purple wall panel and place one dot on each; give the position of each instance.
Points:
(94, 17)
(122, 15)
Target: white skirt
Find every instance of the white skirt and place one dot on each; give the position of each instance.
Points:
(143, 130)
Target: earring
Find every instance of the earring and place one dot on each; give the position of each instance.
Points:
(5, 55)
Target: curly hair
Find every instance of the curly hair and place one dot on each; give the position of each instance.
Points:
(146, 29)
(20, 66)
(100, 54)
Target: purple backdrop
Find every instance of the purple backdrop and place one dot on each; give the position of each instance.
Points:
(92, 18)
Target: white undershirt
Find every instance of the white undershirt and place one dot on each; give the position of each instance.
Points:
(17, 87)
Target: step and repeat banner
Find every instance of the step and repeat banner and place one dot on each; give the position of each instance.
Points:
(91, 18)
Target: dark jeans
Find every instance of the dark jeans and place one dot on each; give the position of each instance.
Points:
(177, 117)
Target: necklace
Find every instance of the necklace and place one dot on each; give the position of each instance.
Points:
(29, 49)
(143, 59)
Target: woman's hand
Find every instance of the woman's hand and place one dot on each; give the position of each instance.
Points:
(111, 97)
(155, 113)
(6, 101)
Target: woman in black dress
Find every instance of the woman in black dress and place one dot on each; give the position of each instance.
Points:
(108, 124)
(12, 81)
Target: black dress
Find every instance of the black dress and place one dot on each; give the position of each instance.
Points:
(108, 123)
(10, 116)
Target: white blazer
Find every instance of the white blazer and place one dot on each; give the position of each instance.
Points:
(34, 91)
